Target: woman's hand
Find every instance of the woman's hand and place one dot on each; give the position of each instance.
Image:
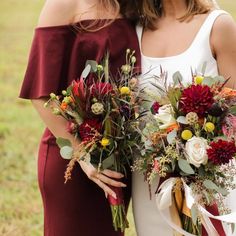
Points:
(103, 179)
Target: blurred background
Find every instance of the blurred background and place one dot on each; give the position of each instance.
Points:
(21, 212)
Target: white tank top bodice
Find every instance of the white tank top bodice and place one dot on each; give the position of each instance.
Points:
(191, 60)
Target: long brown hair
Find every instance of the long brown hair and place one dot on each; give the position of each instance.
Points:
(124, 8)
(151, 10)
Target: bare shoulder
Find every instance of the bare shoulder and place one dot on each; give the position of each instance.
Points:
(223, 31)
(57, 12)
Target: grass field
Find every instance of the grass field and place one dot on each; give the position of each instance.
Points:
(20, 127)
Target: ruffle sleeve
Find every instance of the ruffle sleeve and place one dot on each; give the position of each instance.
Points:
(48, 62)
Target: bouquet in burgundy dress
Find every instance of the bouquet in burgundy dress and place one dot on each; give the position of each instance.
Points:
(190, 142)
(102, 112)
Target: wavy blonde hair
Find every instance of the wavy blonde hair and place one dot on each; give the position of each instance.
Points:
(151, 10)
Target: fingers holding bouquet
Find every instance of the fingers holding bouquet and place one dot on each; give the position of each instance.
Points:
(103, 179)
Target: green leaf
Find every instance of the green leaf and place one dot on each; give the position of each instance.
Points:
(210, 185)
(66, 152)
(86, 71)
(223, 191)
(171, 136)
(61, 142)
(93, 65)
(177, 78)
(210, 81)
(194, 214)
(108, 162)
(185, 167)
(182, 120)
(201, 171)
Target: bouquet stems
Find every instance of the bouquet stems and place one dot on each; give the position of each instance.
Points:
(181, 214)
(118, 211)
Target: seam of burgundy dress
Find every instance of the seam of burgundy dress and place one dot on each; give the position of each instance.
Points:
(46, 219)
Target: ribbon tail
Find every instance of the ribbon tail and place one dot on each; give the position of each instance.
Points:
(209, 227)
(175, 216)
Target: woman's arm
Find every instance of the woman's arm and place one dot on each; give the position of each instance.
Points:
(223, 41)
(59, 12)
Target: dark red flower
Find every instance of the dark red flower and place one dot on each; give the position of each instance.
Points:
(196, 98)
(221, 152)
(125, 111)
(155, 108)
(101, 89)
(86, 131)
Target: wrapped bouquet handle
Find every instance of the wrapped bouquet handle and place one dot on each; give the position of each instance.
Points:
(164, 203)
(118, 209)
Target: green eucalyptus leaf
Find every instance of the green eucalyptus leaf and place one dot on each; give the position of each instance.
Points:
(108, 162)
(201, 171)
(61, 142)
(223, 191)
(177, 78)
(93, 65)
(210, 185)
(86, 71)
(194, 214)
(185, 167)
(210, 81)
(171, 136)
(66, 152)
(182, 120)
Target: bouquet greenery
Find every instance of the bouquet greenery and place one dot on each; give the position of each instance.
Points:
(102, 112)
(190, 140)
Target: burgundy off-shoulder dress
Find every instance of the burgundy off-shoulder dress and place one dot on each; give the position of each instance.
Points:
(58, 56)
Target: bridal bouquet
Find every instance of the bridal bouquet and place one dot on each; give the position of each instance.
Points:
(190, 143)
(102, 113)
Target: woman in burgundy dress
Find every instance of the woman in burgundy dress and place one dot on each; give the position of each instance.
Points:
(68, 34)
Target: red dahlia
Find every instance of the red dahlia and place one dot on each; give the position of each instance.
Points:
(86, 131)
(196, 98)
(221, 152)
(101, 89)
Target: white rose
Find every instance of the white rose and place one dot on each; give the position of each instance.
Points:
(196, 151)
(165, 116)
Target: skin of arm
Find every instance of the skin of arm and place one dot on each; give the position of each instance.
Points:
(223, 41)
(61, 12)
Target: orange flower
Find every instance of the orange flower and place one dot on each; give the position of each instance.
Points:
(63, 106)
(172, 127)
(228, 93)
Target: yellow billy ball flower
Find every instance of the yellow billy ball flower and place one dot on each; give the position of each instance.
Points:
(125, 90)
(186, 134)
(105, 142)
(209, 127)
(199, 79)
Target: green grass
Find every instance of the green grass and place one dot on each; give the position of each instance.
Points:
(20, 127)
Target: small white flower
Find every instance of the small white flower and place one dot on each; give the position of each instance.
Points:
(165, 116)
(196, 151)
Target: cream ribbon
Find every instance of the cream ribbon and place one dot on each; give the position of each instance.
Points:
(164, 201)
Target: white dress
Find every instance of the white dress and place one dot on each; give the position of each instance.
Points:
(147, 218)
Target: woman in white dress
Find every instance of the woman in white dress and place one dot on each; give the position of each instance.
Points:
(181, 37)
